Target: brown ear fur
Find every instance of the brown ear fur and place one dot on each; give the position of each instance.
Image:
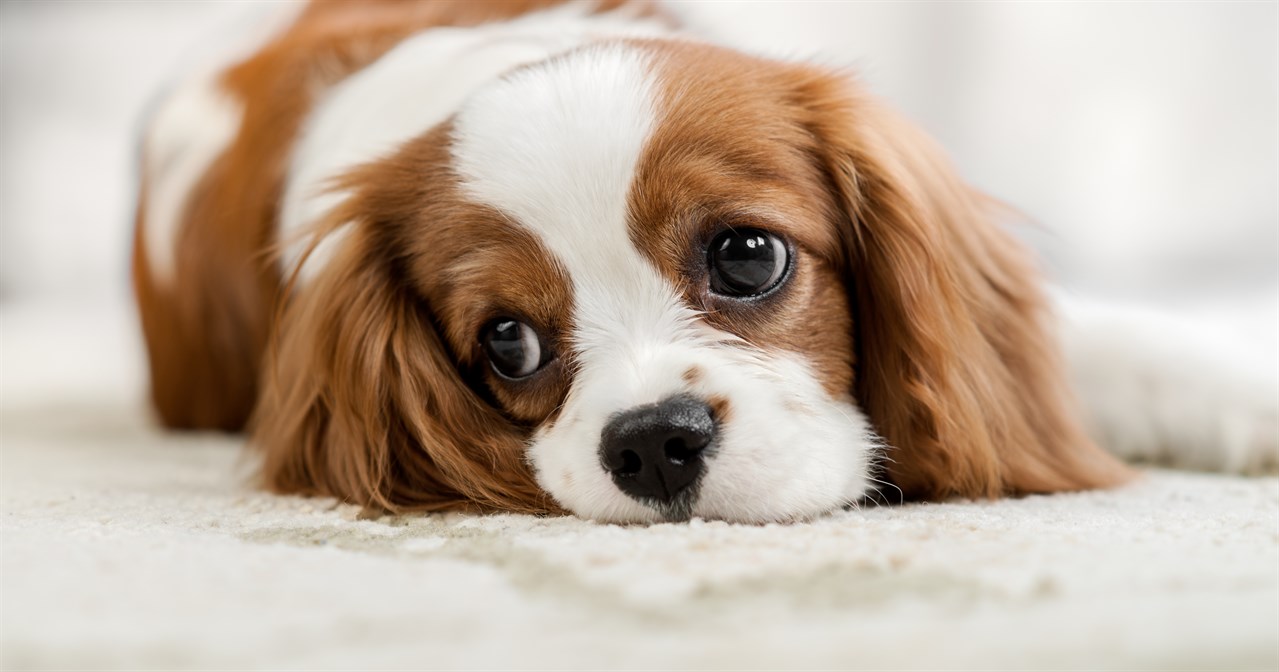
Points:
(958, 368)
(362, 402)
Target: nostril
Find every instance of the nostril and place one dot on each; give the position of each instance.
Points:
(631, 464)
(678, 451)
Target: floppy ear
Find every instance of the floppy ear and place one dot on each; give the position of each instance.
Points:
(958, 368)
(362, 401)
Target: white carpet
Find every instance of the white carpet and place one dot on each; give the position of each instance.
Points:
(127, 548)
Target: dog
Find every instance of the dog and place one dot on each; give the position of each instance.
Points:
(552, 257)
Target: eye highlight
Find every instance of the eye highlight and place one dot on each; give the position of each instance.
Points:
(515, 350)
(746, 262)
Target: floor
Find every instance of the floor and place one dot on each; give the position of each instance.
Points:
(124, 547)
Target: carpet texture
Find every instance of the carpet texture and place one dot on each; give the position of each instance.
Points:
(124, 547)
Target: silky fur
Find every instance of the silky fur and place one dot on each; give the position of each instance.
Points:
(368, 397)
(206, 322)
(952, 348)
(967, 410)
(958, 365)
(908, 301)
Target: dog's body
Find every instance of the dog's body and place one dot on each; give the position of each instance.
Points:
(539, 256)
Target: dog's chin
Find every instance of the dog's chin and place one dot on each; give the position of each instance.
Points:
(741, 504)
(683, 509)
(772, 507)
(678, 510)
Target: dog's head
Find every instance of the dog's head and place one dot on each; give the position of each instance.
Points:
(654, 280)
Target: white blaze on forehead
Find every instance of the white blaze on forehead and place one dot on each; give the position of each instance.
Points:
(555, 147)
(410, 89)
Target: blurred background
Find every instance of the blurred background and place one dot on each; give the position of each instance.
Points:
(1142, 137)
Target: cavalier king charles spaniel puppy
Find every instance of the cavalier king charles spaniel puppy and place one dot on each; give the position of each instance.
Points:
(559, 257)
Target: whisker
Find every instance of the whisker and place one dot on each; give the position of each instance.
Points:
(901, 496)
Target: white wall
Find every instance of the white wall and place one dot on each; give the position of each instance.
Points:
(1143, 136)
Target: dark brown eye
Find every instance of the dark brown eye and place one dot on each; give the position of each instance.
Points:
(514, 349)
(746, 262)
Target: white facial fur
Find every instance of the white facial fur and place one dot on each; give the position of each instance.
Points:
(555, 148)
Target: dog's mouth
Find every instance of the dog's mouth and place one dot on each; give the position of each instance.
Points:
(678, 508)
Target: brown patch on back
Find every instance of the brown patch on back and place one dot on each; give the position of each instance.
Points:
(205, 332)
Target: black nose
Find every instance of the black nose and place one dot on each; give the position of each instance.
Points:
(654, 452)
